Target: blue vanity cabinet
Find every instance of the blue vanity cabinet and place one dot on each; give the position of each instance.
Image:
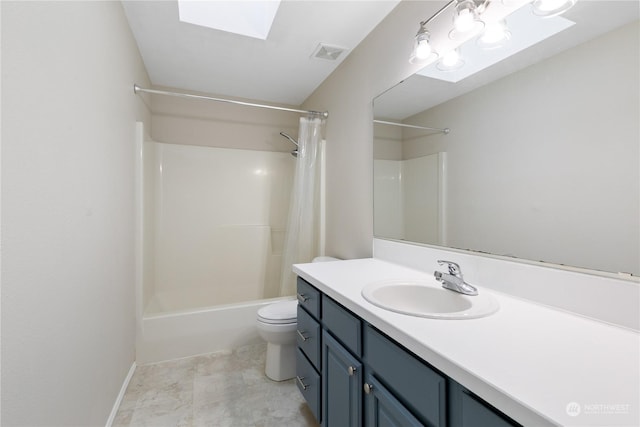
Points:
(421, 388)
(383, 409)
(341, 385)
(352, 375)
(309, 383)
(309, 343)
(468, 410)
(341, 366)
(308, 297)
(309, 337)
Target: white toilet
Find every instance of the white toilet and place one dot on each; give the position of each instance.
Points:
(277, 325)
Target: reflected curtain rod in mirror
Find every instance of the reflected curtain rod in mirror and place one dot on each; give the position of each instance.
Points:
(544, 163)
(383, 122)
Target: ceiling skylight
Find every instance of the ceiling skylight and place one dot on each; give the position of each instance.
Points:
(247, 18)
(526, 29)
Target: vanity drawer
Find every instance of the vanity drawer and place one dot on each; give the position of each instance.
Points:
(343, 325)
(421, 389)
(308, 337)
(308, 297)
(308, 382)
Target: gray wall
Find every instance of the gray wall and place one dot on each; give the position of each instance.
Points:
(68, 134)
(378, 63)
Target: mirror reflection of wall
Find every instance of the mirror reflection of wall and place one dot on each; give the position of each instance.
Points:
(542, 164)
(409, 199)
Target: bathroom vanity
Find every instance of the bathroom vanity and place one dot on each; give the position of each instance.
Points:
(361, 365)
(343, 362)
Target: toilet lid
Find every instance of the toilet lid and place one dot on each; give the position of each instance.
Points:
(279, 312)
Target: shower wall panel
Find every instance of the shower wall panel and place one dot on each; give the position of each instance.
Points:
(409, 199)
(219, 218)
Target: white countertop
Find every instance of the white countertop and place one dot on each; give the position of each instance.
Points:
(530, 361)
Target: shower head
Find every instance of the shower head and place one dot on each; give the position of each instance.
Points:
(289, 138)
(294, 153)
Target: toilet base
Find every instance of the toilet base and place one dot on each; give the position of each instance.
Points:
(281, 361)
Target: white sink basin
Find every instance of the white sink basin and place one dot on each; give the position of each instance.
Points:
(427, 298)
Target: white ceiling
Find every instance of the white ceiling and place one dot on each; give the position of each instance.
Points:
(280, 69)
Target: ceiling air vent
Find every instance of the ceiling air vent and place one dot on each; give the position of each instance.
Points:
(325, 51)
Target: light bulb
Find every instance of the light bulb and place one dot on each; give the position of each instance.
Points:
(423, 49)
(464, 21)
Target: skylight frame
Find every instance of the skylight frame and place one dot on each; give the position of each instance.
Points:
(250, 18)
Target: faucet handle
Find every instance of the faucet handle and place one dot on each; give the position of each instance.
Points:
(454, 269)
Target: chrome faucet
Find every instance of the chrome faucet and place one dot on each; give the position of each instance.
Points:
(454, 280)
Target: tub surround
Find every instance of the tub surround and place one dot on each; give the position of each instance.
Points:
(529, 360)
(191, 237)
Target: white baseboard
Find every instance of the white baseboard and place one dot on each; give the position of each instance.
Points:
(123, 389)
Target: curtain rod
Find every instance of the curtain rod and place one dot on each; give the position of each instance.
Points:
(445, 130)
(136, 89)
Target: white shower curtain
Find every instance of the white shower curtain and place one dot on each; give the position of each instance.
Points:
(302, 236)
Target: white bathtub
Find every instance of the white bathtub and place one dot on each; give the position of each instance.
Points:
(210, 227)
(187, 333)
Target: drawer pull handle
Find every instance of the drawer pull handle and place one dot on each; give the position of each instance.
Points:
(302, 384)
(301, 335)
(302, 298)
(368, 388)
(351, 370)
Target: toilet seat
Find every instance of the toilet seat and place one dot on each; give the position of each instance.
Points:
(279, 313)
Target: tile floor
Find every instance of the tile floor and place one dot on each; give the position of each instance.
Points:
(214, 390)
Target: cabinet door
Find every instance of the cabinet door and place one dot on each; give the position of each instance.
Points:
(382, 409)
(341, 385)
(418, 386)
(467, 410)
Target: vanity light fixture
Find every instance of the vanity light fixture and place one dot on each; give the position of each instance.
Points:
(525, 30)
(467, 24)
(466, 19)
(549, 8)
(422, 50)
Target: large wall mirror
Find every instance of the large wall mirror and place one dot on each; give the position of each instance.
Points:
(542, 158)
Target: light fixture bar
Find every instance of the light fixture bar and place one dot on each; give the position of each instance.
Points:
(438, 13)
